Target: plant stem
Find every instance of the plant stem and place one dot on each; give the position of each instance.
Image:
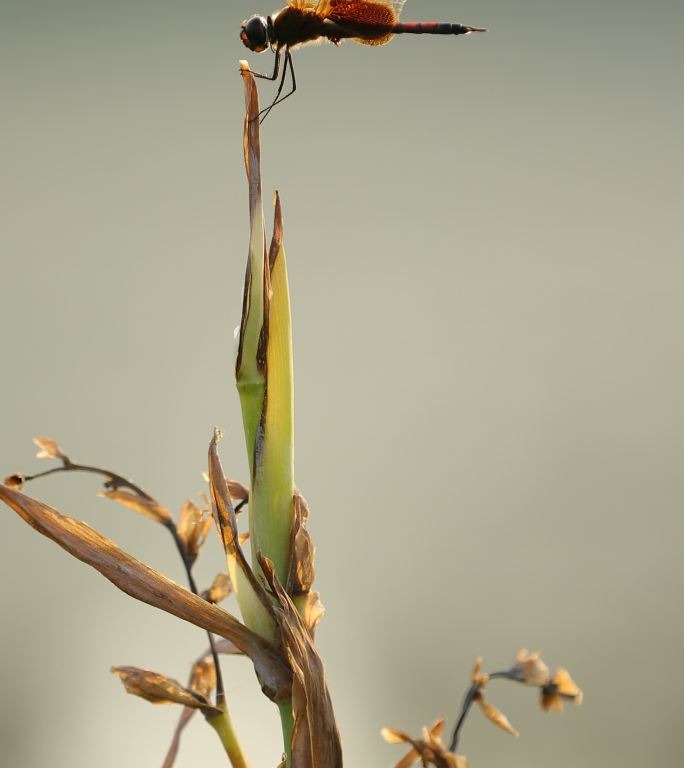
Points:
(287, 720)
(223, 726)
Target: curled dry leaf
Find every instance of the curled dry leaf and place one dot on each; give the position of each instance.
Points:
(302, 572)
(311, 610)
(560, 687)
(494, 715)
(160, 689)
(148, 507)
(193, 527)
(219, 590)
(150, 586)
(49, 449)
(429, 748)
(315, 738)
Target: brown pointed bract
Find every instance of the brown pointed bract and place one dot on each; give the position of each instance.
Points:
(49, 449)
(150, 586)
(315, 738)
(494, 715)
(302, 572)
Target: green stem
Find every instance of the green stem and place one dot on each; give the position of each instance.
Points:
(223, 726)
(287, 720)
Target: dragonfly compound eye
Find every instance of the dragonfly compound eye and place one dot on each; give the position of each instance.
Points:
(254, 34)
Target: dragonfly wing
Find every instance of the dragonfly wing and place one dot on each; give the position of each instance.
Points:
(366, 14)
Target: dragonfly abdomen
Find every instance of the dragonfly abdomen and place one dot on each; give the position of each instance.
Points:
(432, 28)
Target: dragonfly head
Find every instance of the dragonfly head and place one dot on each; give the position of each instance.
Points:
(254, 33)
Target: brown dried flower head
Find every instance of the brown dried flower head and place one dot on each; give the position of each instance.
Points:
(560, 687)
(428, 749)
(529, 668)
(193, 527)
(15, 481)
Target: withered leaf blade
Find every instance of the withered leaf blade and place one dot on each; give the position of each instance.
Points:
(193, 527)
(315, 738)
(148, 507)
(159, 689)
(150, 586)
(302, 572)
(49, 449)
(219, 589)
(312, 610)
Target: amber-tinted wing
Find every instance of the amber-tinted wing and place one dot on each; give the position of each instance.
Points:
(365, 14)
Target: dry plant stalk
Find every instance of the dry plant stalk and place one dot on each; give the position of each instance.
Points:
(274, 585)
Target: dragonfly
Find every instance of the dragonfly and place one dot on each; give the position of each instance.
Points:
(369, 22)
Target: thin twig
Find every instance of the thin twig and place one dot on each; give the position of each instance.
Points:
(468, 703)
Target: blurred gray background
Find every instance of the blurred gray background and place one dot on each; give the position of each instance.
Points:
(484, 244)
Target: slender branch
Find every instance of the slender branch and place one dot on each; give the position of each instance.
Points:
(468, 703)
(115, 481)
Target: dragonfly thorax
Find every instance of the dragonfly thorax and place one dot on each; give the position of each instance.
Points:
(257, 33)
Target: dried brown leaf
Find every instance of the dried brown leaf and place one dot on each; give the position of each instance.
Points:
(494, 715)
(193, 527)
(49, 449)
(219, 589)
(159, 689)
(315, 738)
(150, 586)
(302, 572)
(148, 507)
(312, 610)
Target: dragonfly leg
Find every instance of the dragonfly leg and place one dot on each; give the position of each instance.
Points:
(278, 99)
(276, 70)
